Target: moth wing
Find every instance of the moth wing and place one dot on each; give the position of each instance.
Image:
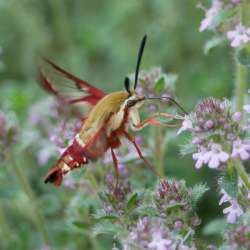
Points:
(68, 88)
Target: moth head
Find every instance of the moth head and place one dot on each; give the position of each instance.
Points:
(135, 100)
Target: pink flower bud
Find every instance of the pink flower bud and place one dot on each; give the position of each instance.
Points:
(209, 124)
(178, 224)
(237, 116)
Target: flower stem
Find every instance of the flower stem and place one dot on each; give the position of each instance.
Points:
(158, 150)
(241, 71)
(243, 174)
(5, 228)
(240, 85)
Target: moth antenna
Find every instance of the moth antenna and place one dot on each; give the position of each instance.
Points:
(139, 57)
(171, 100)
(127, 85)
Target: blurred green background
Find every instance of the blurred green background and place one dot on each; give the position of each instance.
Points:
(98, 41)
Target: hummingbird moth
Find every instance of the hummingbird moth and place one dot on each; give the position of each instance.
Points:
(108, 121)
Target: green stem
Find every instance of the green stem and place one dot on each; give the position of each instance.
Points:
(5, 229)
(240, 85)
(158, 154)
(243, 174)
(241, 71)
(24, 184)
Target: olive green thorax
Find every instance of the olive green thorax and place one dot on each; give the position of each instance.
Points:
(110, 104)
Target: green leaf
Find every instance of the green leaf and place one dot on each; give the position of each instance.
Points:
(187, 149)
(175, 206)
(106, 228)
(160, 85)
(197, 192)
(80, 224)
(243, 57)
(214, 227)
(222, 16)
(101, 215)
(108, 217)
(147, 211)
(133, 201)
(212, 43)
(229, 181)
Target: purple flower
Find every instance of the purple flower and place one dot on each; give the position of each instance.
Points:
(225, 197)
(239, 36)
(123, 171)
(236, 1)
(45, 247)
(35, 118)
(247, 108)
(109, 178)
(209, 124)
(186, 125)
(178, 224)
(152, 108)
(196, 140)
(139, 140)
(200, 157)
(216, 156)
(207, 22)
(213, 158)
(240, 150)
(152, 234)
(234, 210)
(43, 156)
(159, 243)
(237, 116)
(68, 183)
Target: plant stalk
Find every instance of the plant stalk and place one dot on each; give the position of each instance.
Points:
(243, 174)
(158, 153)
(241, 71)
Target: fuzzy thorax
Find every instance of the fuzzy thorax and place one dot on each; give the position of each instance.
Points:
(111, 107)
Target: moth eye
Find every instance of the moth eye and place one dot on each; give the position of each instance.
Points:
(131, 103)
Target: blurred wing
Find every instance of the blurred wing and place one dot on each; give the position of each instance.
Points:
(67, 87)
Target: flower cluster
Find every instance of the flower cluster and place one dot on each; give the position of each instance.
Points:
(115, 198)
(223, 16)
(174, 201)
(218, 141)
(150, 233)
(154, 82)
(216, 134)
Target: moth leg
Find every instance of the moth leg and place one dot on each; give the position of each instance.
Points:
(152, 121)
(137, 125)
(115, 161)
(146, 162)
